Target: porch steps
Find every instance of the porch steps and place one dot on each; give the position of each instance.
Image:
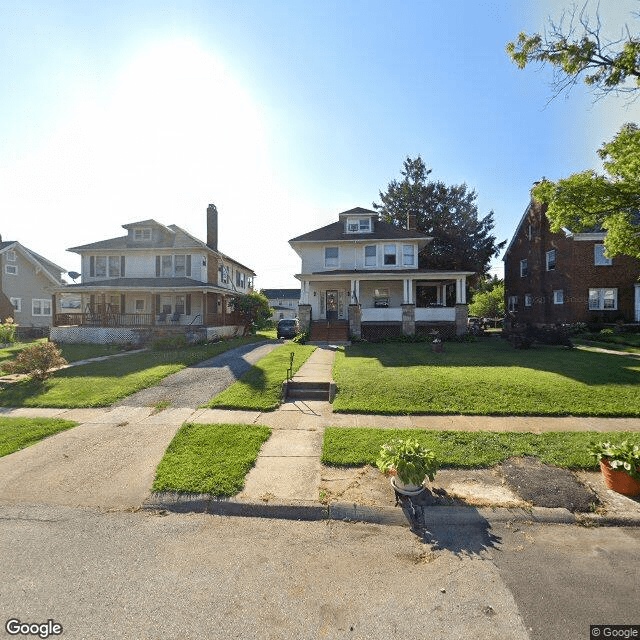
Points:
(333, 332)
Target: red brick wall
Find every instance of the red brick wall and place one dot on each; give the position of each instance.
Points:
(575, 273)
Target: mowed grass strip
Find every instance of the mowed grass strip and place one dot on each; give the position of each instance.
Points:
(100, 384)
(488, 377)
(70, 352)
(19, 433)
(467, 450)
(259, 389)
(210, 458)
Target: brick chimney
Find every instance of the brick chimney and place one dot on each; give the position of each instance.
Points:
(212, 227)
(411, 222)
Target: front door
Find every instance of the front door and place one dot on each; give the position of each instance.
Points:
(332, 305)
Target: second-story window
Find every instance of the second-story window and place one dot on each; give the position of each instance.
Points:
(370, 255)
(390, 254)
(551, 260)
(600, 259)
(408, 259)
(330, 257)
(524, 268)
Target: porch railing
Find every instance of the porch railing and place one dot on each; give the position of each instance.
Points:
(103, 319)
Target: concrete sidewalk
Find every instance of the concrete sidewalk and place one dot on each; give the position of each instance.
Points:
(109, 460)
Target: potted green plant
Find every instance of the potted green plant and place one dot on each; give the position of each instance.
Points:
(620, 466)
(408, 463)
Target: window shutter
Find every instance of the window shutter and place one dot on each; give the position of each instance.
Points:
(122, 266)
(188, 267)
(157, 266)
(188, 304)
(158, 303)
(122, 303)
(92, 266)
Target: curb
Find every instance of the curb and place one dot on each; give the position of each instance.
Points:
(391, 516)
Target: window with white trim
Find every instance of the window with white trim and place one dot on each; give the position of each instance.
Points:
(389, 254)
(11, 269)
(381, 297)
(365, 225)
(41, 307)
(603, 299)
(330, 257)
(370, 255)
(524, 268)
(551, 260)
(408, 257)
(17, 304)
(142, 233)
(512, 303)
(528, 300)
(11, 256)
(558, 296)
(599, 259)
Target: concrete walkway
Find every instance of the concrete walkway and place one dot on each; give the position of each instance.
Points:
(109, 460)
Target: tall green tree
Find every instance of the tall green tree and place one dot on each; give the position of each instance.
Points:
(449, 214)
(254, 309)
(610, 201)
(577, 49)
(488, 304)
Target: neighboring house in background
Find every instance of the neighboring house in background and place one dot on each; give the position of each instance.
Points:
(360, 276)
(27, 285)
(565, 277)
(284, 302)
(157, 276)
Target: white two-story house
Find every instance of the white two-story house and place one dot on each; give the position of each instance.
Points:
(157, 275)
(362, 273)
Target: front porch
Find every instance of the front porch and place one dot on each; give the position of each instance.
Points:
(396, 304)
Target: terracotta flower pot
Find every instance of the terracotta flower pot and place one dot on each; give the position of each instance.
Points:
(619, 481)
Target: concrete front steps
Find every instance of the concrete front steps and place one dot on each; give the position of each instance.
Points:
(297, 390)
(333, 332)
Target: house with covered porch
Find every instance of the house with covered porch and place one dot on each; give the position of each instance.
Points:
(360, 277)
(155, 279)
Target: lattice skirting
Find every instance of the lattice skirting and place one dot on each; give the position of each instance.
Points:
(374, 331)
(99, 335)
(445, 329)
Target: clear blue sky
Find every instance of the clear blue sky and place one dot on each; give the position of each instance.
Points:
(282, 113)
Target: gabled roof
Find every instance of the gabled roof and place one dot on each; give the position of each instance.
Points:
(358, 211)
(50, 269)
(272, 294)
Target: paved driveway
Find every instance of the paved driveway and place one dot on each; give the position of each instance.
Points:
(109, 460)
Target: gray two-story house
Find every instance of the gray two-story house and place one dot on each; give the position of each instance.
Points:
(157, 276)
(27, 285)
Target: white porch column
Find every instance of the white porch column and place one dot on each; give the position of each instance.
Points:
(304, 292)
(410, 281)
(461, 290)
(355, 292)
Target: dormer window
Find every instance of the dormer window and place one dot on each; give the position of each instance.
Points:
(358, 225)
(141, 234)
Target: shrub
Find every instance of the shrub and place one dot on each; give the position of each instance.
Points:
(38, 360)
(408, 459)
(8, 331)
(607, 332)
(301, 338)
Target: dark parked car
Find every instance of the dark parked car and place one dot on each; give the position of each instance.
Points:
(288, 328)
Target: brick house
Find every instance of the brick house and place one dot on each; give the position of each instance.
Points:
(565, 277)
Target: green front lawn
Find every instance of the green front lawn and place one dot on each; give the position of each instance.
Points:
(259, 389)
(70, 352)
(18, 433)
(210, 458)
(100, 384)
(466, 450)
(488, 377)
